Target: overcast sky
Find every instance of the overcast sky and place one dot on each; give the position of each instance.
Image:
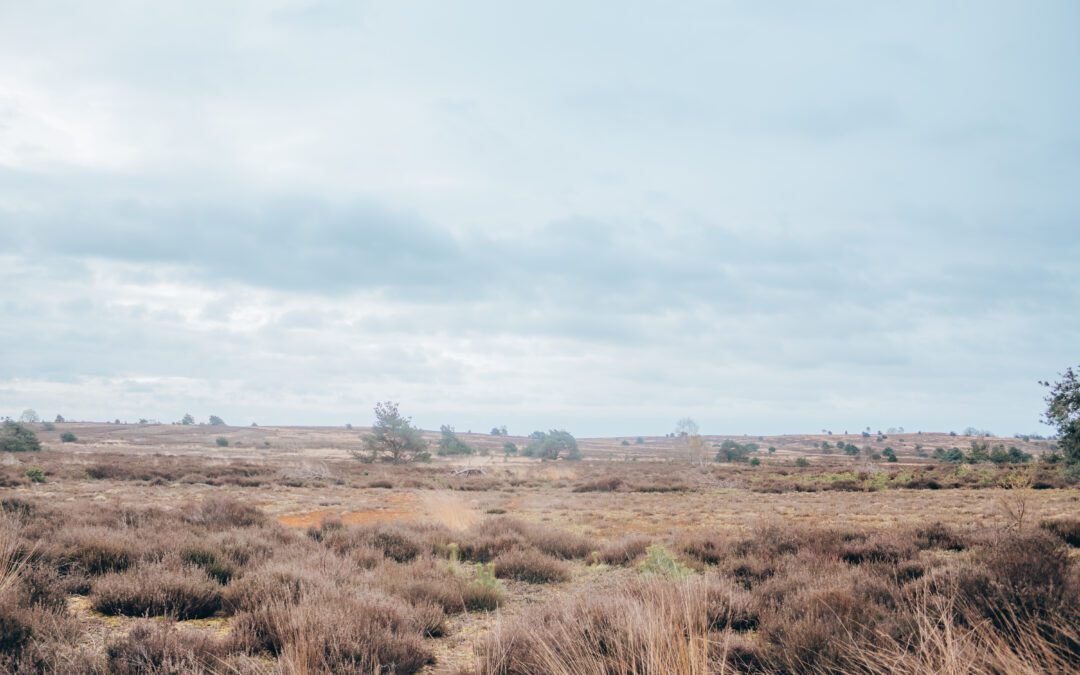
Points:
(770, 216)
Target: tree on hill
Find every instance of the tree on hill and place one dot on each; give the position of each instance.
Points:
(1063, 412)
(187, 419)
(29, 416)
(450, 444)
(393, 438)
(216, 421)
(733, 451)
(16, 437)
(552, 444)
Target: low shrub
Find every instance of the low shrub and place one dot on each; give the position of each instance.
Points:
(152, 647)
(224, 512)
(624, 551)
(1066, 528)
(606, 484)
(531, 566)
(335, 632)
(157, 590)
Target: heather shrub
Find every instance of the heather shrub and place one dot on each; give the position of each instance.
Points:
(638, 627)
(216, 565)
(152, 647)
(157, 590)
(531, 566)
(624, 551)
(606, 484)
(223, 512)
(1066, 528)
(336, 632)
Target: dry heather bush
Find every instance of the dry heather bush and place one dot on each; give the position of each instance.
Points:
(605, 484)
(216, 565)
(819, 614)
(708, 548)
(531, 566)
(295, 573)
(1066, 528)
(152, 647)
(489, 538)
(157, 590)
(939, 536)
(369, 543)
(222, 513)
(360, 633)
(880, 548)
(641, 627)
(431, 582)
(624, 551)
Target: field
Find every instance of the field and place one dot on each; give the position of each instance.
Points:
(152, 548)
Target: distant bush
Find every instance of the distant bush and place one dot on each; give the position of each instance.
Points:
(639, 441)
(552, 445)
(222, 442)
(68, 437)
(732, 451)
(216, 421)
(802, 462)
(48, 426)
(36, 474)
(606, 484)
(450, 444)
(16, 437)
(510, 448)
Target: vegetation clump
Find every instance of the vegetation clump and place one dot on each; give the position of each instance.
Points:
(17, 437)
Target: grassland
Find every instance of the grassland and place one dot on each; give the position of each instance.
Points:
(152, 549)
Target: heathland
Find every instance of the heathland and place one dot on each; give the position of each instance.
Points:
(204, 548)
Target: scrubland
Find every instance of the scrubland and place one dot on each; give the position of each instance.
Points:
(152, 550)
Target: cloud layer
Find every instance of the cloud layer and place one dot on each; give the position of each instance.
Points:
(601, 217)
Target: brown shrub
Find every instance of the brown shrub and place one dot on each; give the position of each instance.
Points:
(157, 590)
(336, 632)
(152, 647)
(531, 566)
(216, 565)
(709, 548)
(624, 551)
(639, 627)
(223, 512)
(606, 484)
(1066, 528)
(939, 536)
(881, 548)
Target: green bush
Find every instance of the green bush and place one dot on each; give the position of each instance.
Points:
(15, 437)
(36, 474)
(450, 444)
(802, 462)
(68, 437)
(222, 442)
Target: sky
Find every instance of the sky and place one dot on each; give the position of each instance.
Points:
(773, 217)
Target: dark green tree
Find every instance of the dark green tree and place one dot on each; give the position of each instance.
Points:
(450, 444)
(15, 437)
(552, 444)
(1063, 413)
(393, 437)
